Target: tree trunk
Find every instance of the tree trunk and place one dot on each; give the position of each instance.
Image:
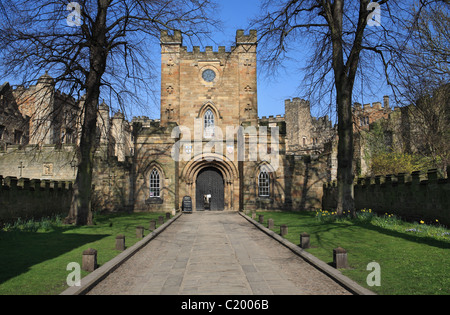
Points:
(345, 200)
(80, 210)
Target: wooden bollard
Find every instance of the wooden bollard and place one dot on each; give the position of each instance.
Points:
(120, 242)
(283, 230)
(261, 218)
(304, 240)
(160, 220)
(89, 261)
(152, 225)
(270, 224)
(340, 258)
(167, 215)
(139, 231)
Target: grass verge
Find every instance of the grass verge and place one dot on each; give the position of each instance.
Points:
(411, 262)
(34, 255)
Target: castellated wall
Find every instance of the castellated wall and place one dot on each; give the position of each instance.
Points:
(33, 199)
(416, 196)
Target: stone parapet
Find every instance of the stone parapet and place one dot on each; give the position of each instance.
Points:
(416, 196)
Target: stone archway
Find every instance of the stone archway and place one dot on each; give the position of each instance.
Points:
(223, 168)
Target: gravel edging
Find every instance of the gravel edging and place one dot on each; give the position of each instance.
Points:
(333, 273)
(88, 282)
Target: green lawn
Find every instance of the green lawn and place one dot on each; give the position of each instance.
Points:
(36, 262)
(410, 262)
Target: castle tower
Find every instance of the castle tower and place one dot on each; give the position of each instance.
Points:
(170, 76)
(119, 136)
(298, 123)
(246, 49)
(222, 81)
(41, 98)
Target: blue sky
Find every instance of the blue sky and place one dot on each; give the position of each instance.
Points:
(272, 92)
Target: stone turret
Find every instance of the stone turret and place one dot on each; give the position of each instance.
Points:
(298, 122)
(243, 39)
(46, 79)
(175, 39)
(118, 133)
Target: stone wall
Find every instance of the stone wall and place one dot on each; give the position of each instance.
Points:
(13, 125)
(112, 182)
(26, 199)
(297, 185)
(418, 196)
(46, 162)
(304, 176)
(153, 145)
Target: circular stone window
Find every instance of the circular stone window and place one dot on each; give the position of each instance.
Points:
(208, 75)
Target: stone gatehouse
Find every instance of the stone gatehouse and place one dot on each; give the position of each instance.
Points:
(209, 143)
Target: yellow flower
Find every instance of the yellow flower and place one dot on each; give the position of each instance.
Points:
(437, 220)
(422, 222)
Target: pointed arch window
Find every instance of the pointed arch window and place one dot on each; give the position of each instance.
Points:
(209, 122)
(155, 184)
(264, 184)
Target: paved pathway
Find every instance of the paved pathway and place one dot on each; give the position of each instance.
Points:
(216, 253)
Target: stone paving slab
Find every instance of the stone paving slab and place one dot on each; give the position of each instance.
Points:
(216, 253)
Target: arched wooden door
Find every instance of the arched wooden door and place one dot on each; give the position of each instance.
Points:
(209, 185)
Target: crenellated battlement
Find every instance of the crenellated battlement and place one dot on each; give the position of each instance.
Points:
(421, 195)
(272, 118)
(177, 39)
(208, 51)
(244, 39)
(33, 198)
(145, 121)
(414, 178)
(14, 183)
(296, 101)
(171, 39)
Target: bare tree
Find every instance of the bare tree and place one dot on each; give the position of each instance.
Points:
(346, 41)
(99, 48)
(424, 80)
